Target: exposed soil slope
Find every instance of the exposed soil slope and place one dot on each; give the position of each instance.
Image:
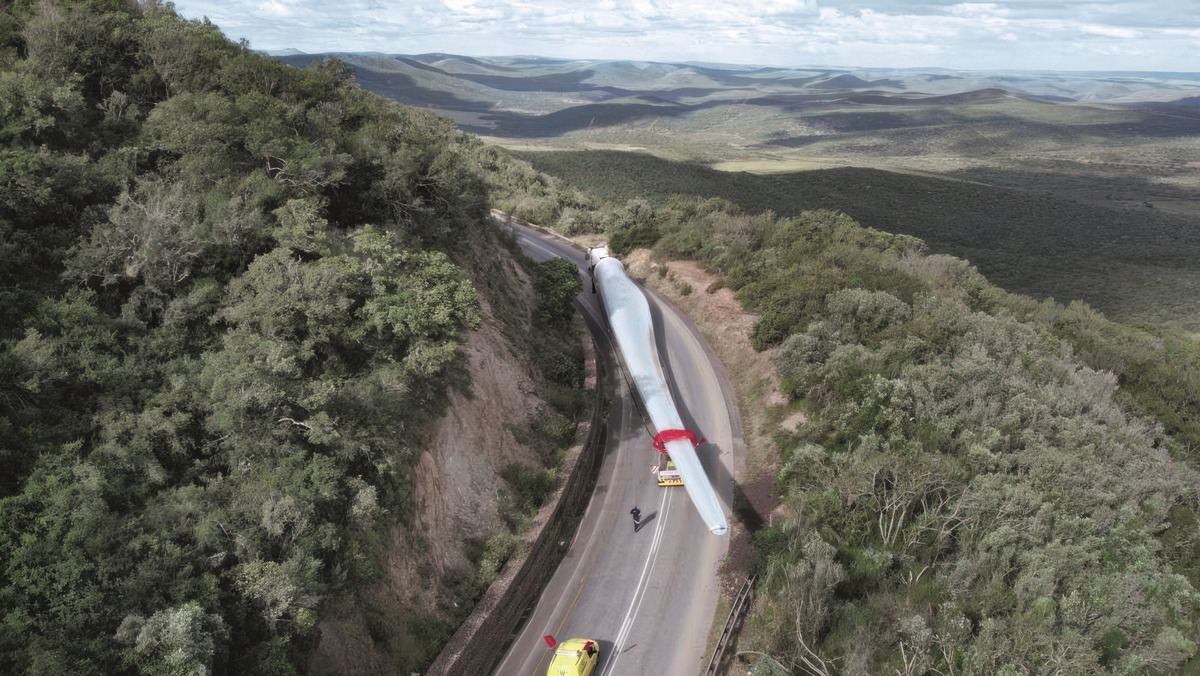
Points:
(456, 493)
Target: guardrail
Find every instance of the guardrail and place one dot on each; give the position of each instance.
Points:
(741, 604)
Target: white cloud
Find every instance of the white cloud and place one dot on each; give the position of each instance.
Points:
(1044, 34)
(276, 8)
(978, 9)
(1110, 31)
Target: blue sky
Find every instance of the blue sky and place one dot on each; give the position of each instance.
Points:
(1162, 35)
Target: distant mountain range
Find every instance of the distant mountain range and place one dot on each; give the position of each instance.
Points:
(690, 80)
(534, 96)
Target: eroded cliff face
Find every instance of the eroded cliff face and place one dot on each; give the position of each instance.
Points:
(456, 488)
(457, 482)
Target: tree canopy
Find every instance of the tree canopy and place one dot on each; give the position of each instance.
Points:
(230, 295)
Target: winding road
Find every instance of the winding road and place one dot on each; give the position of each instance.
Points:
(648, 597)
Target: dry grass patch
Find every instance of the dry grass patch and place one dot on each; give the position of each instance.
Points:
(777, 166)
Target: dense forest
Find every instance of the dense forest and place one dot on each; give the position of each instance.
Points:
(233, 294)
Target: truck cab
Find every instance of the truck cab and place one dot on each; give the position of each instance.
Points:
(668, 474)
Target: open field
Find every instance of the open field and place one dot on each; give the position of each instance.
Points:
(776, 166)
(1065, 185)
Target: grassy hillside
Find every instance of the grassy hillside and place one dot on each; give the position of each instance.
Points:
(1134, 263)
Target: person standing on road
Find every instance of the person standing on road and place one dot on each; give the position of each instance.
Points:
(637, 517)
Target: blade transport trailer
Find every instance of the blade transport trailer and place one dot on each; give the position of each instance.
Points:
(629, 317)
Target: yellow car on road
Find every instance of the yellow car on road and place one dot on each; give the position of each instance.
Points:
(575, 657)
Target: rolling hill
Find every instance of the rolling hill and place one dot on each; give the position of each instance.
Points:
(1070, 185)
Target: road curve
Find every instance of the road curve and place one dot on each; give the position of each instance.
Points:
(633, 328)
(647, 597)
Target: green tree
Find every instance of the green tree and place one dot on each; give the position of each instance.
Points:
(557, 283)
(183, 640)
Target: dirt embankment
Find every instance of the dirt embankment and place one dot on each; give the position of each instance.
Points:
(455, 493)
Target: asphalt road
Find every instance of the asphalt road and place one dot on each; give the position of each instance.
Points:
(647, 597)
